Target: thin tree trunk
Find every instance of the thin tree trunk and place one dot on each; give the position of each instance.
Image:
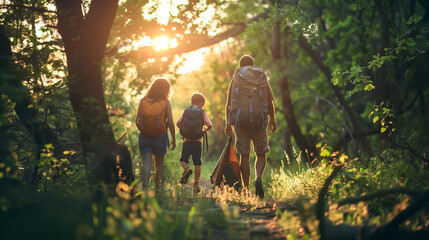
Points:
(308, 150)
(287, 142)
(327, 72)
(41, 132)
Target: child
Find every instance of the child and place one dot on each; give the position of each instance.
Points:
(193, 123)
(153, 118)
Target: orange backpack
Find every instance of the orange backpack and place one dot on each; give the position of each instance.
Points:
(150, 118)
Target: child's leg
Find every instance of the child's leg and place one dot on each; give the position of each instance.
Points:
(184, 161)
(185, 165)
(184, 158)
(159, 171)
(145, 170)
(197, 175)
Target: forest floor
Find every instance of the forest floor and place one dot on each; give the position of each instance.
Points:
(254, 223)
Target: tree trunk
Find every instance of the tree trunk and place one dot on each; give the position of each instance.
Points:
(85, 39)
(307, 149)
(327, 72)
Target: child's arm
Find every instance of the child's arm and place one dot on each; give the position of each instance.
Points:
(171, 127)
(207, 122)
(179, 121)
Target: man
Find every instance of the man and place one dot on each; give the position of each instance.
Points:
(250, 101)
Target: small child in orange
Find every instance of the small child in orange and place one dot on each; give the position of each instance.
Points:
(193, 123)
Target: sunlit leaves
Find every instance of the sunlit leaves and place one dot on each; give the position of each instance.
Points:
(379, 60)
(325, 151)
(414, 19)
(355, 76)
(384, 116)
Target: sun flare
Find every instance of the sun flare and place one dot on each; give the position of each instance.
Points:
(161, 43)
(192, 61)
(164, 9)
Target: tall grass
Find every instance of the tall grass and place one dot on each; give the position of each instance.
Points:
(293, 181)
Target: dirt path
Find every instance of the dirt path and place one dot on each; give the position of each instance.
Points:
(253, 222)
(263, 221)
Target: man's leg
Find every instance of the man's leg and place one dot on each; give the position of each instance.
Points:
(145, 170)
(159, 171)
(245, 169)
(260, 163)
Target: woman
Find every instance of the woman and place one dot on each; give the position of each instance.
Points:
(154, 116)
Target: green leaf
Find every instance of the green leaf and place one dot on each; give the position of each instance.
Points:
(414, 19)
(369, 87)
(343, 158)
(325, 153)
(383, 129)
(375, 119)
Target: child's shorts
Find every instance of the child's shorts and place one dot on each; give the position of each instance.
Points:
(156, 145)
(191, 148)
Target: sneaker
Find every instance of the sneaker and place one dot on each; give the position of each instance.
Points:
(259, 191)
(185, 176)
(197, 190)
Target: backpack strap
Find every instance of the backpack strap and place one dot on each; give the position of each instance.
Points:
(236, 121)
(205, 142)
(205, 138)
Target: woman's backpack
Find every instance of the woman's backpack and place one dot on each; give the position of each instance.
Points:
(150, 118)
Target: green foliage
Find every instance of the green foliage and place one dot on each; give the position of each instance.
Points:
(349, 36)
(293, 181)
(385, 116)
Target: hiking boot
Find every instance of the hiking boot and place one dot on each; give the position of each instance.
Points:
(259, 191)
(197, 190)
(185, 176)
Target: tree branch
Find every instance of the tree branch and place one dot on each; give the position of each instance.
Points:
(188, 45)
(320, 207)
(378, 194)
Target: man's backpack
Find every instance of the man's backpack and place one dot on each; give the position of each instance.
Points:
(192, 123)
(249, 98)
(150, 118)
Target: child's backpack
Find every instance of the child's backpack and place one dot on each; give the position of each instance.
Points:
(192, 123)
(249, 104)
(150, 118)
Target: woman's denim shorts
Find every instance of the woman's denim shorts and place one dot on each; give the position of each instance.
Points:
(156, 145)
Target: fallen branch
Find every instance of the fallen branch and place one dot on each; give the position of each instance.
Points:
(378, 194)
(320, 207)
(391, 229)
(410, 149)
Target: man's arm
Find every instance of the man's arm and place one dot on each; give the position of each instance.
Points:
(271, 110)
(228, 103)
(228, 128)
